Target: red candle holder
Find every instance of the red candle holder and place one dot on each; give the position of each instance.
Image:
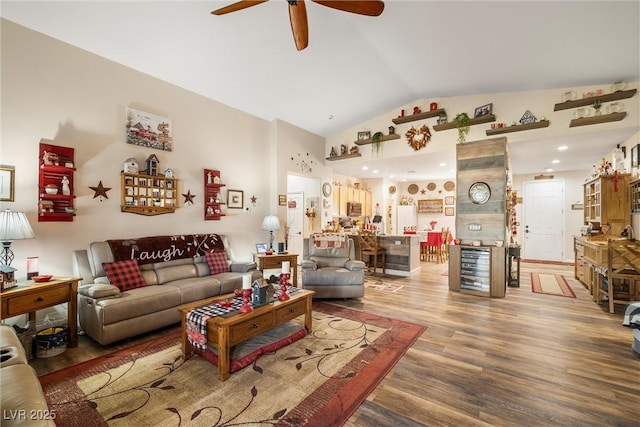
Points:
(284, 281)
(246, 297)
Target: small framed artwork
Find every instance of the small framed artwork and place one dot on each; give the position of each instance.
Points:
(261, 248)
(449, 200)
(282, 200)
(235, 199)
(450, 211)
(364, 135)
(7, 183)
(635, 156)
(484, 110)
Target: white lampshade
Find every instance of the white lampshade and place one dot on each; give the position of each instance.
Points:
(271, 223)
(13, 226)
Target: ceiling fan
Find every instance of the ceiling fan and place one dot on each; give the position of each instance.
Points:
(298, 13)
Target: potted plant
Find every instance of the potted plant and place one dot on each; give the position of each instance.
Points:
(462, 124)
(376, 143)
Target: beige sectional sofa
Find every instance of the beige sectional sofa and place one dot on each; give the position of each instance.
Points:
(180, 276)
(23, 401)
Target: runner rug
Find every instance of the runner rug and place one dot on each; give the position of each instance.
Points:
(319, 380)
(551, 284)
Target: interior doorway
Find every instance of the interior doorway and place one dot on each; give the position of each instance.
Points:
(543, 215)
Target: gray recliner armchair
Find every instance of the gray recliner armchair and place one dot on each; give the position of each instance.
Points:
(332, 270)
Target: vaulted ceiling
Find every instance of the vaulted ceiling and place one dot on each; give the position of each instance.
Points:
(357, 67)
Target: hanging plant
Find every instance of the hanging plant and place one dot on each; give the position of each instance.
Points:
(376, 143)
(418, 138)
(463, 124)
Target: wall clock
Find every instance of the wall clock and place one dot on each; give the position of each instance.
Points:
(479, 192)
(326, 189)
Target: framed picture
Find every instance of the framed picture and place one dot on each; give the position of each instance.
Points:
(484, 110)
(450, 211)
(282, 200)
(635, 153)
(364, 135)
(149, 130)
(449, 200)
(235, 199)
(261, 248)
(7, 183)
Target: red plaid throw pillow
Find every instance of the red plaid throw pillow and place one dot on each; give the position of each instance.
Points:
(217, 262)
(125, 275)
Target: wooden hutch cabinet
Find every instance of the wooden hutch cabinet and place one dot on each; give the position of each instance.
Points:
(607, 202)
(212, 201)
(55, 183)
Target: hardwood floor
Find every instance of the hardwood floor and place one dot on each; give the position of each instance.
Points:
(524, 360)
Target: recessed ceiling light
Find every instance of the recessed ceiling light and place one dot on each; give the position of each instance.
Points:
(443, 164)
(563, 148)
(375, 171)
(548, 170)
(365, 167)
(555, 161)
(404, 179)
(391, 176)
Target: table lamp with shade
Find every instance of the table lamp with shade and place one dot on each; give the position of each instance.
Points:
(271, 223)
(13, 226)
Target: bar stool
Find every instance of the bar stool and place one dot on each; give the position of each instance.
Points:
(623, 273)
(369, 248)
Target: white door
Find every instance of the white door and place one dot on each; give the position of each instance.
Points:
(295, 220)
(543, 219)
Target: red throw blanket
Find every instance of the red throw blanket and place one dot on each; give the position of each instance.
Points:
(165, 248)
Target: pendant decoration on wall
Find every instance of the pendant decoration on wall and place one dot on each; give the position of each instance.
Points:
(188, 197)
(100, 191)
(305, 164)
(418, 138)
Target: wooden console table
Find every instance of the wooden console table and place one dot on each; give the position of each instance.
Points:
(267, 262)
(224, 332)
(29, 297)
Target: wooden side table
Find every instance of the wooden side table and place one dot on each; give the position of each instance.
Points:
(29, 297)
(266, 262)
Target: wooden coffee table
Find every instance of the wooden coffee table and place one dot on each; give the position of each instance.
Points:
(224, 332)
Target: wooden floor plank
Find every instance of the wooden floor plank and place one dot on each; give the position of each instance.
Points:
(524, 360)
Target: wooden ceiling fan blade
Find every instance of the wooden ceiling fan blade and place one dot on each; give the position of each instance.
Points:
(237, 6)
(299, 24)
(364, 7)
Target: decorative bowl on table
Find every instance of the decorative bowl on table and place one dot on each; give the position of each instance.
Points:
(226, 303)
(42, 278)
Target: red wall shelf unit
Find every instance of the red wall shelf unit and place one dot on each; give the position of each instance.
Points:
(212, 202)
(54, 163)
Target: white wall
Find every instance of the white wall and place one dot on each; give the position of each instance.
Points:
(59, 92)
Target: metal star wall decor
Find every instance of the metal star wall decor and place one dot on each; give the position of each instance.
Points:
(100, 191)
(188, 198)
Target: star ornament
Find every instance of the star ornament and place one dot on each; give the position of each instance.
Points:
(188, 198)
(100, 191)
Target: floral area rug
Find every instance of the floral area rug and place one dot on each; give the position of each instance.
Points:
(319, 380)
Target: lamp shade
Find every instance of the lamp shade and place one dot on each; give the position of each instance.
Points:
(271, 223)
(14, 226)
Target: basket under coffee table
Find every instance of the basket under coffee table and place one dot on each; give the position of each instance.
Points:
(224, 332)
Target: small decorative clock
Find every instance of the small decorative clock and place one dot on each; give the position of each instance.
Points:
(479, 192)
(326, 189)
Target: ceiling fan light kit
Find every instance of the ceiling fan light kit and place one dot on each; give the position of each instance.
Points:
(298, 13)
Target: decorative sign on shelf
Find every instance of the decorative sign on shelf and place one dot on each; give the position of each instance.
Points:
(430, 206)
